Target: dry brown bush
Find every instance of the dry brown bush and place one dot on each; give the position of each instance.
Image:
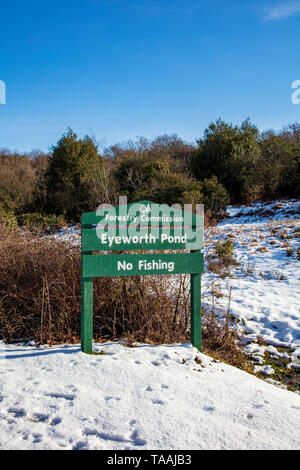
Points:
(220, 340)
(17, 181)
(40, 297)
(39, 288)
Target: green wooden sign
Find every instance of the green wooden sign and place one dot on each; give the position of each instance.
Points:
(142, 226)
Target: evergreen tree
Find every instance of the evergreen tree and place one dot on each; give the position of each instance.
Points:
(75, 177)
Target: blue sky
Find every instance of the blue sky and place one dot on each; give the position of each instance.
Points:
(117, 69)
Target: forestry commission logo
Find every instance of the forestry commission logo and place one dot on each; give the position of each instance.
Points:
(296, 94)
(145, 209)
(2, 92)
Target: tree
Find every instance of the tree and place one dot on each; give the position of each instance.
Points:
(291, 134)
(17, 181)
(209, 192)
(279, 166)
(75, 177)
(156, 169)
(231, 154)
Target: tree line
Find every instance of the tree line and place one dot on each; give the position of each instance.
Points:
(227, 164)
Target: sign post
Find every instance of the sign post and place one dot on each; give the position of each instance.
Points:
(140, 226)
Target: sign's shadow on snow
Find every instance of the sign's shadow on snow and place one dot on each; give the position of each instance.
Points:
(36, 353)
(7, 354)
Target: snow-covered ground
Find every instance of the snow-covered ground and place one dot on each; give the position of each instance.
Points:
(147, 397)
(264, 287)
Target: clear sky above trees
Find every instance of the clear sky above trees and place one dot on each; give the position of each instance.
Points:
(122, 68)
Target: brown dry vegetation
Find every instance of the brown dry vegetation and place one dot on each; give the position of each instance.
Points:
(40, 297)
(220, 341)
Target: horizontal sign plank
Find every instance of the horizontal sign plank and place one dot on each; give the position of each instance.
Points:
(145, 239)
(141, 264)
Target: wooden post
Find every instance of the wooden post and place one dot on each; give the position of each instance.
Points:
(87, 315)
(86, 305)
(196, 334)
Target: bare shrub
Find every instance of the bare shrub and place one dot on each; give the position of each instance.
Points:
(40, 297)
(141, 309)
(221, 341)
(39, 289)
(17, 181)
(289, 252)
(38, 223)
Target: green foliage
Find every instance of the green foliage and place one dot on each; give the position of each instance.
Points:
(7, 218)
(170, 189)
(39, 222)
(159, 171)
(98, 353)
(225, 251)
(209, 192)
(287, 376)
(215, 197)
(156, 170)
(75, 178)
(249, 165)
(279, 167)
(230, 153)
(193, 193)
(136, 173)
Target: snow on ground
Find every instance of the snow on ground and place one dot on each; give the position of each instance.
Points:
(70, 235)
(264, 287)
(263, 211)
(147, 397)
